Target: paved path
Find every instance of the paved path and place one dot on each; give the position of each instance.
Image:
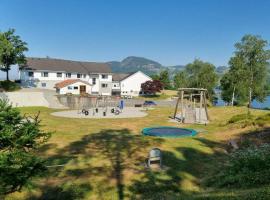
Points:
(128, 112)
(33, 97)
(47, 98)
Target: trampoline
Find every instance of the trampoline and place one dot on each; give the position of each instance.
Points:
(168, 131)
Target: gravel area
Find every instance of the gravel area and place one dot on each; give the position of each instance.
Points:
(128, 112)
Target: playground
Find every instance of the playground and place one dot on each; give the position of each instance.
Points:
(100, 107)
(127, 112)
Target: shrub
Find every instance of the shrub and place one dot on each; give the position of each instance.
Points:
(9, 86)
(262, 120)
(242, 120)
(246, 168)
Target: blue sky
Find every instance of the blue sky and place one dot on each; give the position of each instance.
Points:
(168, 31)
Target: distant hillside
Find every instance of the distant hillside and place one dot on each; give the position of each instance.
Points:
(133, 63)
(150, 67)
(221, 70)
(176, 68)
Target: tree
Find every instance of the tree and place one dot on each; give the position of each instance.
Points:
(152, 87)
(246, 79)
(20, 137)
(254, 57)
(180, 80)
(202, 75)
(233, 83)
(155, 76)
(12, 50)
(165, 79)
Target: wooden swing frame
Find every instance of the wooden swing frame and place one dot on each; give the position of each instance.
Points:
(201, 92)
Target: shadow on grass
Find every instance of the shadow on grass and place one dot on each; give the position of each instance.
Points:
(167, 183)
(256, 137)
(112, 155)
(116, 152)
(122, 150)
(64, 192)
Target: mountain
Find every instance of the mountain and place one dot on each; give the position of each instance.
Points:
(176, 68)
(221, 70)
(150, 67)
(133, 63)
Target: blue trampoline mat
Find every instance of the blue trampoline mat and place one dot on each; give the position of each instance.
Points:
(168, 131)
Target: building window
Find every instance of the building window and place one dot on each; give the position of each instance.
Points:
(31, 74)
(75, 88)
(79, 75)
(43, 84)
(68, 75)
(104, 85)
(94, 81)
(45, 74)
(69, 87)
(59, 74)
(104, 76)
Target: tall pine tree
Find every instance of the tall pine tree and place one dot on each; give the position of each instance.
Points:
(20, 136)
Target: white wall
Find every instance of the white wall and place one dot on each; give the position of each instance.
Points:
(116, 85)
(49, 82)
(95, 87)
(51, 76)
(66, 89)
(131, 86)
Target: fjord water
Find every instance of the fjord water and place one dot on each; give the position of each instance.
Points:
(255, 104)
(263, 105)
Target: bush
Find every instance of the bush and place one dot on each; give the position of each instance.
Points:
(242, 120)
(9, 86)
(246, 168)
(262, 120)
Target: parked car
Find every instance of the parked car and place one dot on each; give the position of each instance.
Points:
(149, 103)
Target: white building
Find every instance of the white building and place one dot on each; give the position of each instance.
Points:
(46, 73)
(129, 85)
(73, 86)
(81, 77)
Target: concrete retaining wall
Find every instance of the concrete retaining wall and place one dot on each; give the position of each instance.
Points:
(22, 99)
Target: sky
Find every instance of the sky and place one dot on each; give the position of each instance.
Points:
(168, 31)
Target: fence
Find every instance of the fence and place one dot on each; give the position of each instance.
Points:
(79, 102)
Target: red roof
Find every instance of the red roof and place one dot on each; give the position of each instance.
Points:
(69, 82)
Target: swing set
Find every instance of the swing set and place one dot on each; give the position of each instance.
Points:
(193, 106)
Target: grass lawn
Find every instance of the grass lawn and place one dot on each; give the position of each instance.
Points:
(103, 158)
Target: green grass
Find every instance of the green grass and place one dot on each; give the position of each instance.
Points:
(9, 86)
(103, 158)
